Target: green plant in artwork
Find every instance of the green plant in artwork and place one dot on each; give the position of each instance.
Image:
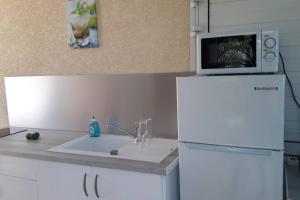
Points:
(93, 18)
(82, 9)
(92, 9)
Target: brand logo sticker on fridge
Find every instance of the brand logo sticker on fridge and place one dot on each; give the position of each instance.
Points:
(266, 88)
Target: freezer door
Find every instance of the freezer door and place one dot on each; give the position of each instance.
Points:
(245, 111)
(224, 173)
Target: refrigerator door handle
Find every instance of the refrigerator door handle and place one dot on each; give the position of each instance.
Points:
(229, 149)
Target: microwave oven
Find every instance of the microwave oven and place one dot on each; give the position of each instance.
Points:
(237, 53)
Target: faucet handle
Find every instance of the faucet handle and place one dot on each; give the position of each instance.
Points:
(138, 124)
(147, 122)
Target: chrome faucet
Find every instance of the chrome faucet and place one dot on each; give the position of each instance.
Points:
(140, 136)
(120, 129)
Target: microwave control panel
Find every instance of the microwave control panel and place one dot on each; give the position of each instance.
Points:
(270, 51)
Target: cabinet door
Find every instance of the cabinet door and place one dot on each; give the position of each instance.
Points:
(59, 181)
(13, 188)
(126, 185)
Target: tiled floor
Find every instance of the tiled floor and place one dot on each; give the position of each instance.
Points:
(293, 174)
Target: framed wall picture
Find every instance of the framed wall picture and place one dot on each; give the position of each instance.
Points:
(82, 26)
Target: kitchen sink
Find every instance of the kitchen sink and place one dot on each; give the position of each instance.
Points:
(153, 150)
(99, 144)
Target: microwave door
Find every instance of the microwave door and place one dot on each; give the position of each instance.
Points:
(229, 54)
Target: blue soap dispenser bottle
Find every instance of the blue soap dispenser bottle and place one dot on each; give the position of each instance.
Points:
(94, 128)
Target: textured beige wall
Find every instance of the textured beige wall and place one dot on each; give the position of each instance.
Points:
(137, 36)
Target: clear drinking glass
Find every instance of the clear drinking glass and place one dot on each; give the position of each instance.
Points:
(148, 130)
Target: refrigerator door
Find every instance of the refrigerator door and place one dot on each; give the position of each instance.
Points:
(219, 172)
(245, 111)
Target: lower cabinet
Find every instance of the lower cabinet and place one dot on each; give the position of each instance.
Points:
(67, 181)
(125, 185)
(18, 179)
(15, 188)
(42, 180)
(58, 181)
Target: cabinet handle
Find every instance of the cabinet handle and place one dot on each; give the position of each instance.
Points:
(84, 185)
(96, 186)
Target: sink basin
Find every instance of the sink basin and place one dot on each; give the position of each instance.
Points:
(103, 144)
(155, 150)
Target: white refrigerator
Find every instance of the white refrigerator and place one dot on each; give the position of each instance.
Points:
(231, 137)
